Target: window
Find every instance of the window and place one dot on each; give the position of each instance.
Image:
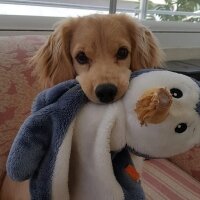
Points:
(156, 10)
(162, 10)
(50, 8)
(174, 10)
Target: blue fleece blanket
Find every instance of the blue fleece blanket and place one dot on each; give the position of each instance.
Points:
(33, 153)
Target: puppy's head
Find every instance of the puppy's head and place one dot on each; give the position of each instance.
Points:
(100, 51)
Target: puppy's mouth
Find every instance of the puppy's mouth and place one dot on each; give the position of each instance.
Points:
(106, 93)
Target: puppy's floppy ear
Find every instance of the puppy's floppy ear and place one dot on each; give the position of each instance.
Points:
(52, 63)
(145, 49)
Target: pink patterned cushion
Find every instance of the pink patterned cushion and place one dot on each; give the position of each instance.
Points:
(162, 180)
(17, 88)
(189, 162)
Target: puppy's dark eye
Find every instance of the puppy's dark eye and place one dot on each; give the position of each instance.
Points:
(122, 53)
(180, 128)
(176, 93)
(82, 58)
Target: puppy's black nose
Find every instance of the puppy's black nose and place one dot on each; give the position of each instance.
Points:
(106, 92)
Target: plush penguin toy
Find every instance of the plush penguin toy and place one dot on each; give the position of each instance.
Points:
(72, 149)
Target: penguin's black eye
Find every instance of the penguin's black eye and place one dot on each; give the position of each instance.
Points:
(176, 93)
(180, 128)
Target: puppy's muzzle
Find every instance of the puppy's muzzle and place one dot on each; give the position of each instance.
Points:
(106, 92)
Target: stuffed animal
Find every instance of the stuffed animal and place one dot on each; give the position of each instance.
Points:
(73, 149)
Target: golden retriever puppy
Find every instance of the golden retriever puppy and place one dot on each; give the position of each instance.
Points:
(100, 51)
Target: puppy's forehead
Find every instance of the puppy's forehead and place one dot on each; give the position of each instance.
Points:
(100, 29)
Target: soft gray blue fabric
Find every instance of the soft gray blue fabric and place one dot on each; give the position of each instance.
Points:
(132, 189)
(34, 150)
(33, 153)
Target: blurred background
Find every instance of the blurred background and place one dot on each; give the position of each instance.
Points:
(157, 10)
